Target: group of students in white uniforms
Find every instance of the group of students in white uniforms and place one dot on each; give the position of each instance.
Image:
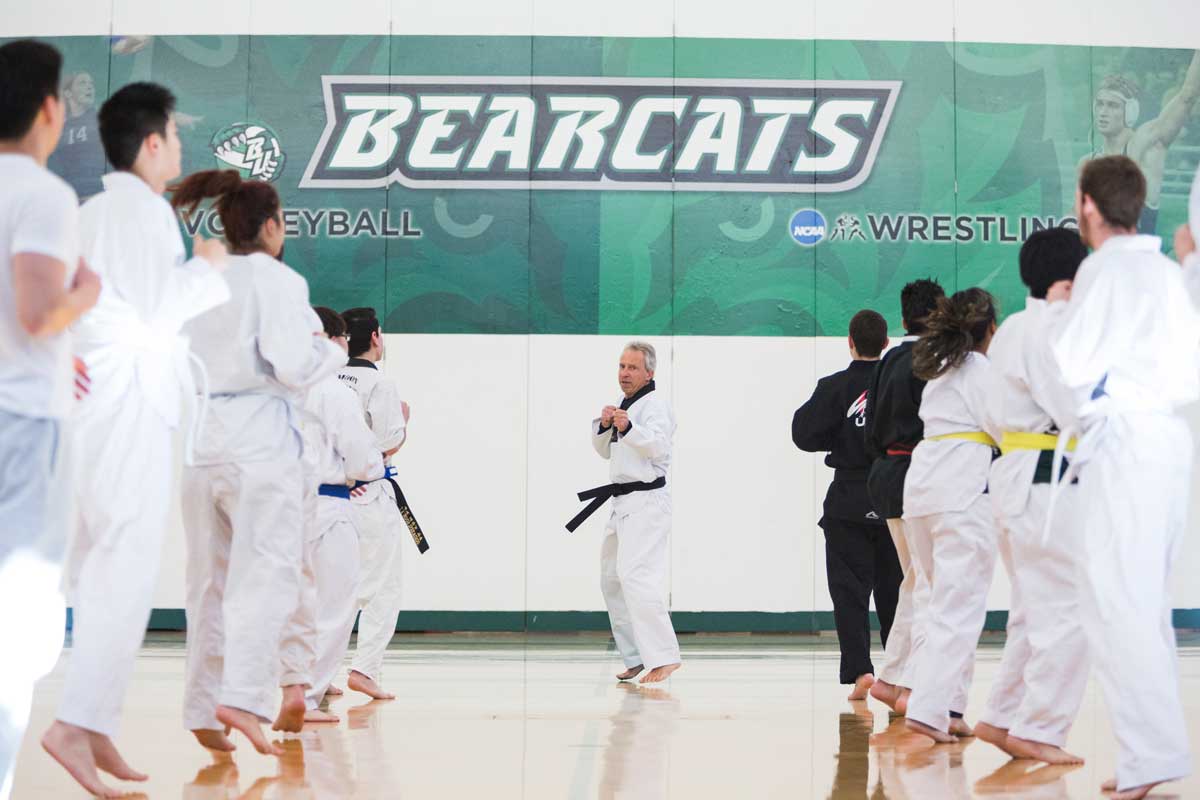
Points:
(281, 453)
(1054, 443)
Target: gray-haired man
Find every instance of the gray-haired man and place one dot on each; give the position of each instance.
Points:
(635, 437)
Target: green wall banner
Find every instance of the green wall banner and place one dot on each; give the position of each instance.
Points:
(582, 185)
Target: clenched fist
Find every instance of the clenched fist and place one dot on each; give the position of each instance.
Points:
(606, 416)
(621, 420)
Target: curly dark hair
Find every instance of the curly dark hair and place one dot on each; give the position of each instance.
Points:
(953, 331)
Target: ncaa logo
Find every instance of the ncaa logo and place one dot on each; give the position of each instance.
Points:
(807, 227)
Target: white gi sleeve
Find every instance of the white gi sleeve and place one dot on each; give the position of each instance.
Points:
(352, 439)
(979, 390)
(650, 437)
(1045, 380)
(602, 439)
(387, 415)
(286, 335)
(1191, 277)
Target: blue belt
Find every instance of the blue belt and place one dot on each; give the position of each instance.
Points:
(343, 491)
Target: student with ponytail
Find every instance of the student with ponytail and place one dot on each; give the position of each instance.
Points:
(242, 498)
(947, 512)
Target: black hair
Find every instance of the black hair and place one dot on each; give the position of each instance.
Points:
(361, 323)
(29, 73)
(331, 321)
(134, 112)
(1049, 256)
(917, 300)
(955, 328)
(868, 331)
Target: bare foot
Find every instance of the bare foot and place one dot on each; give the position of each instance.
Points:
(361, 683)
(291, 710)
(317, 715)
(214, 740)
(248, 724)
(1135, 794)
(1038, 751)
(631, 673)
(886, 693)
(333, 691)
(69, 746)
(659, 674)
(109, 760)
(1109, 785)
(993, 736)
(960, 728)
(931, 732)
(861, 687)
(902, 701)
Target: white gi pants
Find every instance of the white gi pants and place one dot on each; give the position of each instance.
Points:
(298, 646)
(381, 533)
(244, 532)
(957, 551)
(634, 565)
(123, 487)
(907, 636)
(34, 505)
(1133, 504)
(318, 633)
(1044, 671)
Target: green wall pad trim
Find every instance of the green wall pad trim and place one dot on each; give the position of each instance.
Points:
(172, 619)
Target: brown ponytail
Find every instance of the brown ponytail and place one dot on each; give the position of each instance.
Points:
(952, 331)
(243, 206)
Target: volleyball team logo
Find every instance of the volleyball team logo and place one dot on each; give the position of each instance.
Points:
(250, 148)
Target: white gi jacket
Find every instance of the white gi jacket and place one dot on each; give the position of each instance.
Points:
(339, 448)
(950, 474)
(1127, 299)
(258, 348)
(641, 454)
(131, 340)
(379, 400)
(1026, 396)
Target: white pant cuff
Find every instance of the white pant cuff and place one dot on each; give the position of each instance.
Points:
(1159, 770)
(1033, 733)
(661, 660)
(296, 679)
(94, 724)
(250, 702)
(939, 721)
(373, 674)
(633, 661)
(997, 720)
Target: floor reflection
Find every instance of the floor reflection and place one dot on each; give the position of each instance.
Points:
(637, 759)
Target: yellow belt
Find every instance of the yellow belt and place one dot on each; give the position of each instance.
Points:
(969, 436)
(1018, 440)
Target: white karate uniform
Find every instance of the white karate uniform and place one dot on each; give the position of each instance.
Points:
(635, 552)
(38, 216)
(339, 449)
(123, 435)
(907, 637)
(242, 501)
(951, 533)
(381, 530)
(1128, 351)
(1045, 666)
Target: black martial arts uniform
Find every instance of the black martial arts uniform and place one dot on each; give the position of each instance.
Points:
(859, 555)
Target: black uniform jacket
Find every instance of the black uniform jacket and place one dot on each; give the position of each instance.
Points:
(832, 421)
(893, 428)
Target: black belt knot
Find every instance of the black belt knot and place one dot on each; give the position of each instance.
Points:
(601, 494)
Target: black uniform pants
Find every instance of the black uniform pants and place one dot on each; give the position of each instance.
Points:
(860, 560)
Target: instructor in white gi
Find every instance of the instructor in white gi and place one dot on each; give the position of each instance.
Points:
(1128, 350)
(635, 437)
(123, 434)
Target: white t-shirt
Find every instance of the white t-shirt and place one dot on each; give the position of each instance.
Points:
(39, 214)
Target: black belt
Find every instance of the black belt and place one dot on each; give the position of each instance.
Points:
(601, 494)
(850, 474)
(414, 527)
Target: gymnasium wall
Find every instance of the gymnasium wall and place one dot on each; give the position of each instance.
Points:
(508, 284)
